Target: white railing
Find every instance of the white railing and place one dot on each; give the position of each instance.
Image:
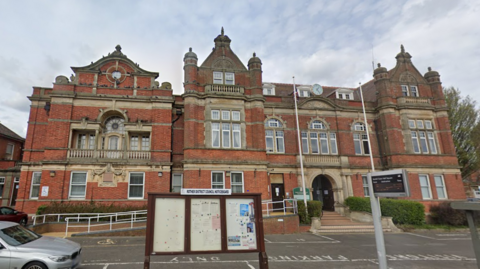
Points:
(224, 88)
(287, 206)
(109, 220)
(109, 154)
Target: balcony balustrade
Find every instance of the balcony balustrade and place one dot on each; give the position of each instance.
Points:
(322, 160)
(220, 88)
(108, 154)
(414, 100)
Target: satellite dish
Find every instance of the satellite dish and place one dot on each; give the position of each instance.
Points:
(317, 89)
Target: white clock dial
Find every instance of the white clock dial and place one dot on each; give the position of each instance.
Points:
(116, 74)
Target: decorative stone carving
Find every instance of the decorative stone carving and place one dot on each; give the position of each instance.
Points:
(408, 78)
(108, 176)
(316, 104)
(61, 80)
(223, 64)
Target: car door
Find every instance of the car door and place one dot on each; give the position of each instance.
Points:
(8, 214)
(4, 256)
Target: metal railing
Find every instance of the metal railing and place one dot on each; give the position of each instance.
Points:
(287, 206)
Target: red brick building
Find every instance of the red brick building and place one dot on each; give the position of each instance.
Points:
(111, 133)
(11, 152)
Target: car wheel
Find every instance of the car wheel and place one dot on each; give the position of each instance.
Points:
(35, 265)
(24, 222)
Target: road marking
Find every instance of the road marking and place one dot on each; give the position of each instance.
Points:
(250, 266)
(322, 236)
(266, 240)
(441, 239)
(106, 242)
(451, 234)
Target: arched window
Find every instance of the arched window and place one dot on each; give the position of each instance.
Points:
(360, 139)
(319, 139)
(274, 136)
(114, 125)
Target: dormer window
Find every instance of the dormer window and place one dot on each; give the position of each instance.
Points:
(304, 91)
(268, 89)
(218, 78)
(344, 94)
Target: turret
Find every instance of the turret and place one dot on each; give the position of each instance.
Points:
(433, 79)
(190, 70)
(255, 67)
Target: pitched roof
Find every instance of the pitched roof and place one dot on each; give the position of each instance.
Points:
(9, 133)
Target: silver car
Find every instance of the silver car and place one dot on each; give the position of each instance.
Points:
(22, 248)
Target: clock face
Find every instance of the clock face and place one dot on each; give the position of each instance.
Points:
(317, 89)
(116, 75)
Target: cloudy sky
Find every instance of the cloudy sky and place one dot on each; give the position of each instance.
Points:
(320, 41)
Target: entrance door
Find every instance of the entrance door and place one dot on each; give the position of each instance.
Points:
(13, 197)
(323, 192)
(278, 193)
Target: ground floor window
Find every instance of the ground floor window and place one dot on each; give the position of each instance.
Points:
(217, 180)
(440, 186)
(425, 187)
(35, 188)
(78, 185)
(366, 193)
(177, 182)
(237, 182)
(136, 185)
(2, 183)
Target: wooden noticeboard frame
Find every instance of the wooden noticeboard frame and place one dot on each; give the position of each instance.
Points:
(204, 224)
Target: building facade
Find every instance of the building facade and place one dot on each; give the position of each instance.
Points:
(11, 152)
(112, 133)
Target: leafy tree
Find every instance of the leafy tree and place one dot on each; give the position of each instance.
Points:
(465, 124)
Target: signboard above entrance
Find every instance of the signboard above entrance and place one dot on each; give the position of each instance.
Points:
(393, 183)
(206, 192)
(298, 193)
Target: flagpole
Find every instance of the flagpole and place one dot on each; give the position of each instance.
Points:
(300, 148)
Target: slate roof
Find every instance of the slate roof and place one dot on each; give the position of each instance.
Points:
(4, 131)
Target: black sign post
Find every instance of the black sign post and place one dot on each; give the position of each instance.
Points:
(392, 183)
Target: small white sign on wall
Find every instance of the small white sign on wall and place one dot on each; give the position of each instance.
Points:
(45, 191)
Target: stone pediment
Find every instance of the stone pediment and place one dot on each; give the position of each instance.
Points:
(317, 103)
(116, 55)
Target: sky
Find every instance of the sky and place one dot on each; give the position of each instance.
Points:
(332, 43)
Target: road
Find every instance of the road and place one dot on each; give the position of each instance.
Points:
(404, 250)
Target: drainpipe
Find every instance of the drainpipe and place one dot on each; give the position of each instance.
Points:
(178, 112)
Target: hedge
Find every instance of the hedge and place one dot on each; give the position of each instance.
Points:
(314, 210)
(87, 207)
(444, 214)
(401, 211)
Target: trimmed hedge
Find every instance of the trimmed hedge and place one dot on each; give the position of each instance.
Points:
(91, 207)
(444, 214)
(314, 210)
(401, 211)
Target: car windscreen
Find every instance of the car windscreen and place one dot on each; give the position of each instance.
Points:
(17, 235)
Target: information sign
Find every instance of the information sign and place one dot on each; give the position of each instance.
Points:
(241, 230)
(392, 183)
(298, 194)
(205, 230)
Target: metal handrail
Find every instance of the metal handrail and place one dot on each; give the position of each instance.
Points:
(134, 217)
(285, 206)
(62, 216)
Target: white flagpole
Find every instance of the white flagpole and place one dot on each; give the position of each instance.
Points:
(300, 148)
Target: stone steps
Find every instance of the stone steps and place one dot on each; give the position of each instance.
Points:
(332, 222)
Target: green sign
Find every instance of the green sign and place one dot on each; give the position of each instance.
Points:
(298, 193)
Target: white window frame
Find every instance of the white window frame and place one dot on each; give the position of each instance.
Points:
(268, 89)
(226, 136)
(145, 146)
(236, 184)
(216, 184)
(405, 91)
(12, 147)
(269, 135)
(410, 90)
(215, 114)
(134, 142)
(423, 136)
(333, 143)
(136, 185)
(414, 91)
(34, 185)
(442, 186)
(305, 146)
(2, 186)
(344, 94)
(366, 192)
(425, 187)
(304, 93)
(362, 140)
(217, 77)
(279, 141)
(176, 185)
(229, 78)
(216, 130)
(236, 132)
(314, 142)
(70, 196)
(415, 142)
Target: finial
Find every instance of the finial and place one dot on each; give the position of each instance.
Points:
(190, 49)
(429, 69)
(402, 49)
(254, 54)
(118, 48)
(379, 65)
(222, 30)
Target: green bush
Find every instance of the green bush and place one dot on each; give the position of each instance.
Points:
(444, 214)
(91, 207)
(314, 210)
(401, 211)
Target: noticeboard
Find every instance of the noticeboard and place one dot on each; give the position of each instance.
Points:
(241, 228)
(392, 183)
(298, 193)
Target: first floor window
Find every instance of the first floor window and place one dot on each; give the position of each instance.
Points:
(177, 182)
(237, 182)
(305, 142)
(86, 141)
(78, 185)
(440, 186)
(333, 143)
(361, 144)
(2, 182)
(425, 187)
(35, 188)
(9, 152)
(217, 180)
(366, 193)
(135, 185)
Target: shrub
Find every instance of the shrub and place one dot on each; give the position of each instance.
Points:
(314, 210)
(401, 211)
(444, 214)
(91, 207)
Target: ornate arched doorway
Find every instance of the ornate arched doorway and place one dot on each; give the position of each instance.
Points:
(322, 191)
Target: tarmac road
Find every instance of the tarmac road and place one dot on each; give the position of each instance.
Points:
(307, 251)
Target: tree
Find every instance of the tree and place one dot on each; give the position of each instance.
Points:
(465, 124)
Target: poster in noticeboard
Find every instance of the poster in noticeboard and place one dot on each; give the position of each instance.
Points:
(169, 230)
(241, 229)
(205, 231)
